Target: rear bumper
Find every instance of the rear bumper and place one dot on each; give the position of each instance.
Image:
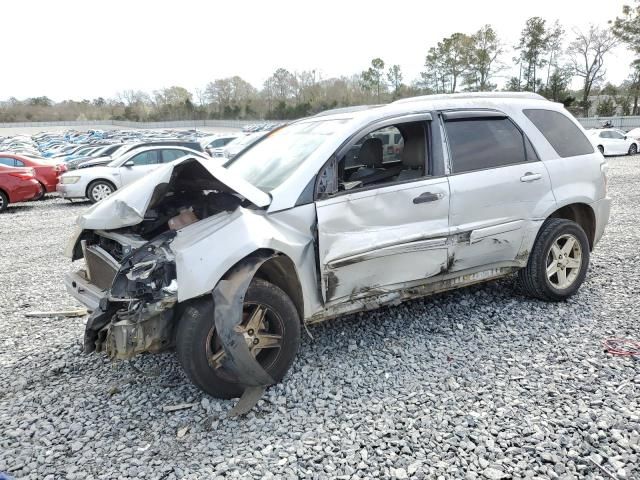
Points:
(602, 209)
(28, 190)
(82, 290)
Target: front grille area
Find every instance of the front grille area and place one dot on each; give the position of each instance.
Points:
(101, 267)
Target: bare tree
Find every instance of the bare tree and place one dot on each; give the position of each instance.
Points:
(587, 52)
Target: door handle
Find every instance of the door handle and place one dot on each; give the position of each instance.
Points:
(428, 197)
(530, 177)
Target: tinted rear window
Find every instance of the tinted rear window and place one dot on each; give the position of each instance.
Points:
(563, 135)
(477, 144)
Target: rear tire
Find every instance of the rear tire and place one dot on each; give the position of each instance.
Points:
(553, 274)
(99, 190)
(4, 201)
(633, 149)
(196, 344)
(44, 192)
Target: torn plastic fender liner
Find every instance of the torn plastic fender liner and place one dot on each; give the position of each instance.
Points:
(228, 299)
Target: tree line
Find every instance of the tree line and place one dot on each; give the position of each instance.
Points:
(547, 59)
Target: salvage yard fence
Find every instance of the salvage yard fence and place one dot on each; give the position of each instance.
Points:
(625, 123)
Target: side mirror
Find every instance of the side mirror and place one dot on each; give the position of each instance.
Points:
(129, 164)
(625, 137)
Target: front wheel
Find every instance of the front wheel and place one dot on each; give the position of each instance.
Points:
(633, 149)
(99, 190)
(270, 325)
(601, 149)
(42, 192)
(558, 262)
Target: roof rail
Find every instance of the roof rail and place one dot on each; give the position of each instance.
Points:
(448, 96)
(357, 108)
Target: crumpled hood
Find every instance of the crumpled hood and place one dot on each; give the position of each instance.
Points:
(127, 206)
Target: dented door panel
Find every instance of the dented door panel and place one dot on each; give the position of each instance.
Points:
(493, 210)
(376, 239)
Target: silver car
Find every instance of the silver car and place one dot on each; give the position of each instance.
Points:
(227, 263)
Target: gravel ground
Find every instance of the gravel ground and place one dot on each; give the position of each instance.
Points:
(478, 383)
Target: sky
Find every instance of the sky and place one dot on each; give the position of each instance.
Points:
(71, 49)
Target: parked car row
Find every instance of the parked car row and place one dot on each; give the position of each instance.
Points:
(95, 163)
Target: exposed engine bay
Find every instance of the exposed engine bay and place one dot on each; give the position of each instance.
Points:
(134, 266)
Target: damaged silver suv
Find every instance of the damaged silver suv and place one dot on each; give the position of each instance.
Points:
(322, 218)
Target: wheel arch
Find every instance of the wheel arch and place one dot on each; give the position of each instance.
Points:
(281, 271)
(582, 214)
(99, 180)
(6, 195)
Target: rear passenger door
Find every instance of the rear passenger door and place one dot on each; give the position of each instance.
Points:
(497, 183)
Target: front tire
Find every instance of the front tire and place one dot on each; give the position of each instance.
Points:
(270, 319)
(4, 201)
(601, 149)
(633, 149)
(100, 189)
(558, 262)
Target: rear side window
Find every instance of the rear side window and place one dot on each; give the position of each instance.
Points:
(563, 135)
(482, 143)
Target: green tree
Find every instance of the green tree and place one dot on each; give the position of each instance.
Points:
(606, 107)
(394, 77)
(447, 62)
(627, 27)
(532, 47)
(373, 78)
(481, 58)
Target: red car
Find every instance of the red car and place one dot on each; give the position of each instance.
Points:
(46, 173)
(18, 185)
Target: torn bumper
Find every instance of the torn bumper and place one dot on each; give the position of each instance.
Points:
(83, 290)
(602, 210)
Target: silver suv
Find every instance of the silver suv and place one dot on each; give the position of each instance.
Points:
(226, 263)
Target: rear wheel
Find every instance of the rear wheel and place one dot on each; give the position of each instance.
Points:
(4, 201)
(558, 262)
(42, 193)
(633, 149)
(99, 190)
(270, 325)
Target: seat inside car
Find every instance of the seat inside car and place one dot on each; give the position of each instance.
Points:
(413, 153)
(370, 156)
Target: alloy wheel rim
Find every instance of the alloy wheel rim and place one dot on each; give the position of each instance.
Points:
(262, 329)
(564, 261)
(101, 191)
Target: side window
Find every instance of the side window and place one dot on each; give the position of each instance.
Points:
(18, 163)
(478, 143)
(145, 158)
(563, 135)
(617, 135)
(172, 154)
(10, 162)
(391, 154)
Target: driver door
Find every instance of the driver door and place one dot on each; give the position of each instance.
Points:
(375, 237)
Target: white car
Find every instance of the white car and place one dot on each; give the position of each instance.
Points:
(226, 262)
(634, 134)
(236, 146)
(214, 142)
(611, 141)
(96, 183)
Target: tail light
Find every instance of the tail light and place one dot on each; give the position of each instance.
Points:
(61, 168)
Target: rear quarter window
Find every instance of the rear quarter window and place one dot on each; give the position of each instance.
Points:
(563, 135)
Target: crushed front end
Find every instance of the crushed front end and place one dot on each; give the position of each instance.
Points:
(129, 283)
(131, 288)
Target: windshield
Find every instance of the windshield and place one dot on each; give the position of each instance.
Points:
(270, 162)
